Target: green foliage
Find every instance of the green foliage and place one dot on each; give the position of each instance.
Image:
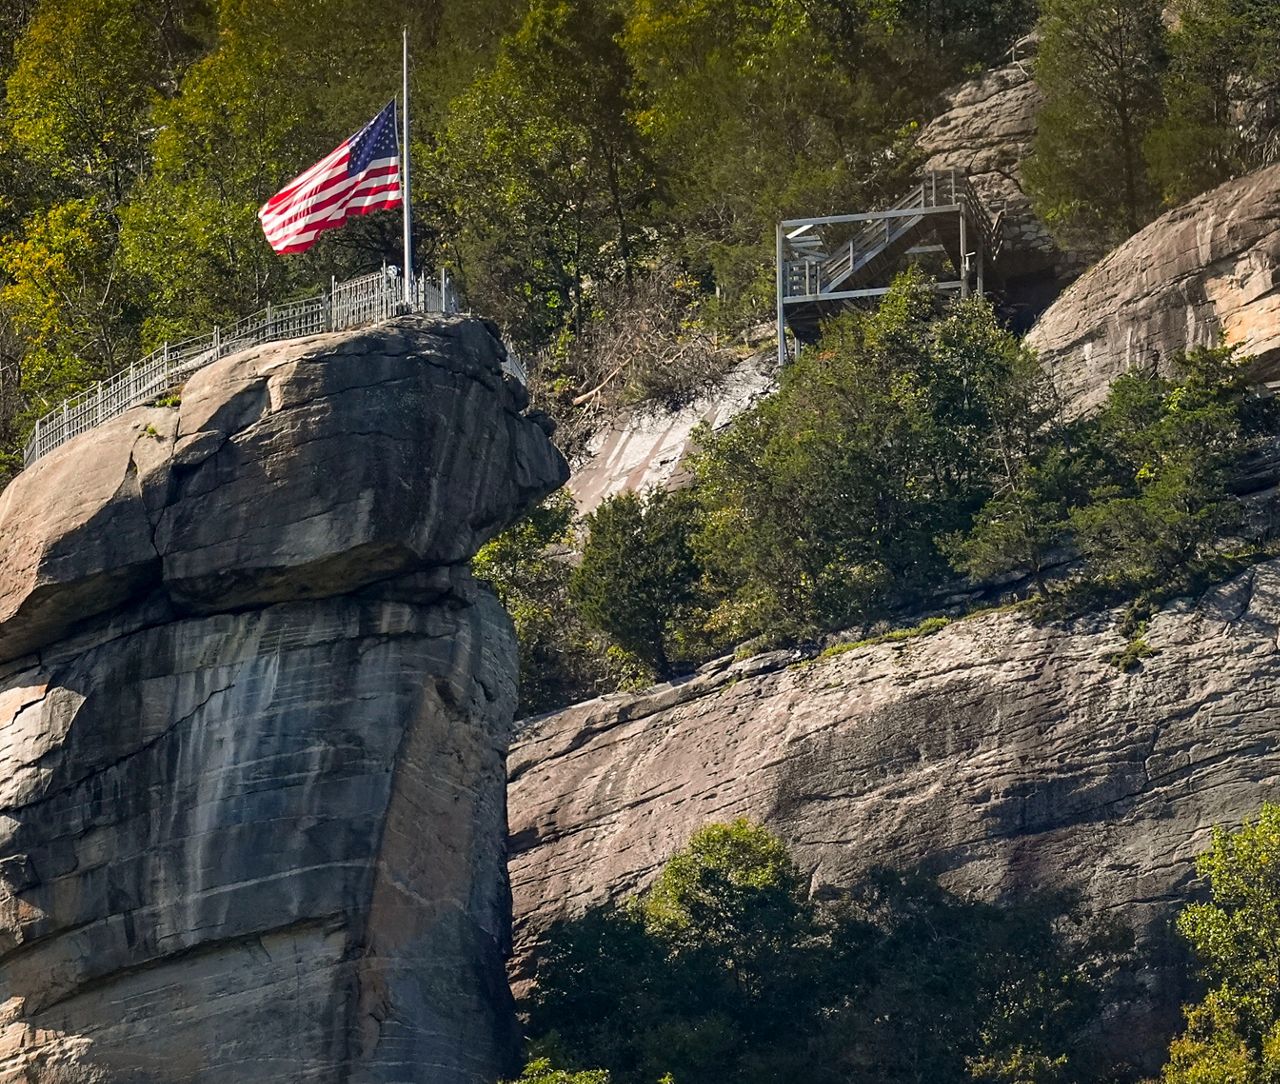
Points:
(1221, 85)
(527, 567)
(83, 80)
(540, 1071)
(1233, 1034)
(1099, 66)
(726, 971)
(1141, 490)
(638, 575)
(927, 627)
(541, 171)
(825, 498)
(1169, 448)
(60, 287)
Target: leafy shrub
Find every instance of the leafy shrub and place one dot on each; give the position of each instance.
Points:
(638, 575)
(823, 501)
(1233, 1033)
(726, 971)
(527, 567)
(1142, 490)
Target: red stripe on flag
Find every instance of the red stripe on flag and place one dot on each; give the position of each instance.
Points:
(325, 196)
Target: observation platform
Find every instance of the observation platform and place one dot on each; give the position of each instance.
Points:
(829, 263)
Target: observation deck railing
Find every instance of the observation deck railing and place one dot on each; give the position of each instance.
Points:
(360, 301)
(815, 266)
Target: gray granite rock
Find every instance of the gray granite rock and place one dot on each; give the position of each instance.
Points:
(296, 470)
(1203, 274)
(253, 721)
(985, 131)
(1005, 757)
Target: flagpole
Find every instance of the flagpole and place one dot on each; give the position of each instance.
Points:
(404, 173)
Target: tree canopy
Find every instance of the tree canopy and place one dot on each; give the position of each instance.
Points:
(726, 971)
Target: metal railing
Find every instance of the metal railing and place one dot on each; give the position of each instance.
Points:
(365, 300)
(820, 264)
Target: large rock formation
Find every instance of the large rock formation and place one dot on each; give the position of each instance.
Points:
(985, 132)
(253, 716)
(1203, 274)
(1004, 756)
(650, 445)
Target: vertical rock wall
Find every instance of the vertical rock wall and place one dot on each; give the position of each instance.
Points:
(253, 719)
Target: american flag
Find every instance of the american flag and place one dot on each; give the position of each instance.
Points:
(361, 175)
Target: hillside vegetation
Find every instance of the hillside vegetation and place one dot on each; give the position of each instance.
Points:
(568, 152)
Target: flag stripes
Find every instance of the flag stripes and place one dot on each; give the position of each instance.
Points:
(359, 176)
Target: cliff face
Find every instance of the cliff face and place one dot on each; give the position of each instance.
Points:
(644, 447)
(1203, 274)
(253, 714)
(985, 131)
(1005, 757)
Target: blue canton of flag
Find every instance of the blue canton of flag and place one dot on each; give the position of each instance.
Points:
(361, 175)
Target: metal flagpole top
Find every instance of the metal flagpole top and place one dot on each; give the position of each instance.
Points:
(404, 170)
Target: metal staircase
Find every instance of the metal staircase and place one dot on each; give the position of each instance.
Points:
(828, 263)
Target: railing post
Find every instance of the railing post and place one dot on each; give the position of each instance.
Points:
(270, 329)
(217, 342)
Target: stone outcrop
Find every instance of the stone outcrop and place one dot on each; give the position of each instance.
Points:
(985, 131)
(1203, 274)
(1003, 756)
(649, 446)
(253, 719)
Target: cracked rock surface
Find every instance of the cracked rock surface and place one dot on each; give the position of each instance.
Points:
(253, 718)
(985, 132)
(1203, 274)
(1005, 757)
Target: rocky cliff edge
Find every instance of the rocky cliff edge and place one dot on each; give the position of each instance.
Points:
(1006, 757)
(253, 716)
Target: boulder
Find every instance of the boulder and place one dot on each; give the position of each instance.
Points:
(296, 470)
(1204, 274)
(985, 131)
(1007, 758)
(253, 720)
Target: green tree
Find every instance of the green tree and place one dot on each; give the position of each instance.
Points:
(542, 173)
(540, 1071)
(1222, 81)
(83, 82)
(1099, 66)
(638, 572)
(1024, 524)
(826, 498)
(718, 973)
(756, 109)
(1170, 449)
(272, 97)
(726, 971)
(528, 567)
(1143, 490)
(1233, 1034)
(60, 291)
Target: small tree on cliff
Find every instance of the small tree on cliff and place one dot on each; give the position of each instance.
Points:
(638, 572)
(1100, 64)
(1233, 1034)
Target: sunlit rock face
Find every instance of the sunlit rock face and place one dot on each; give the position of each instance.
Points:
(253, 719)
(1006, 757)
(1204, 274)
(985, 131)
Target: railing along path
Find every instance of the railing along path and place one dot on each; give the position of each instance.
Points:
(365, 300)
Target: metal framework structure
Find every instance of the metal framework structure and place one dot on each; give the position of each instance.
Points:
(827, 263)
(365, 300)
